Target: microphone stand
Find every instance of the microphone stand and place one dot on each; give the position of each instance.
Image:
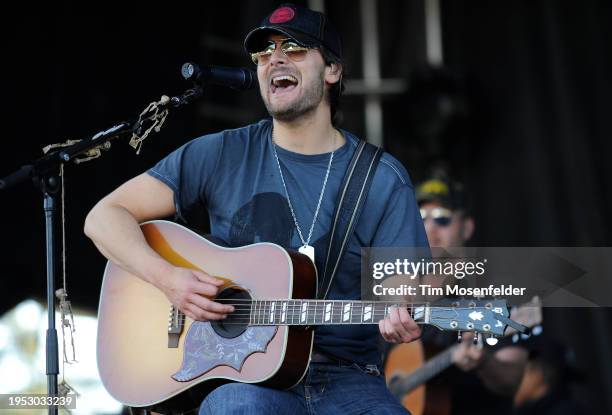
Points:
(44, 172)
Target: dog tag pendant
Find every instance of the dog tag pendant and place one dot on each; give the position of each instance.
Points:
(308, 251)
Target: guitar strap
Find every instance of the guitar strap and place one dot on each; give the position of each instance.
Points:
(351, 198)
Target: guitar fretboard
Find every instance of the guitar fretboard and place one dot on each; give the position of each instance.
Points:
(321, 312)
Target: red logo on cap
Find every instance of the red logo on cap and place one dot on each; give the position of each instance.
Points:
(282, 15)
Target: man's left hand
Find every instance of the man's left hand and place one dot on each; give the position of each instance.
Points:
(399, 327)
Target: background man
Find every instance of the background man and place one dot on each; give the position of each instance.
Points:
(490, 374)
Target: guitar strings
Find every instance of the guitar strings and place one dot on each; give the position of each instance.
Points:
(240, 311)
(260, 310)
(263, 315)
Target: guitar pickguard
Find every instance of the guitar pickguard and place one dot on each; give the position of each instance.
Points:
(205, 349)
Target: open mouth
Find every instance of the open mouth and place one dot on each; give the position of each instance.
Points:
(283, 83)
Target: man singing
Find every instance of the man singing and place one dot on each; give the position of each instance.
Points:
(276, 181)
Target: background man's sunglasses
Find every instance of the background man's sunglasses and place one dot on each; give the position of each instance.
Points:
(441, 216)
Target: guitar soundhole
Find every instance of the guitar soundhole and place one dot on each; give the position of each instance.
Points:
(237, 322)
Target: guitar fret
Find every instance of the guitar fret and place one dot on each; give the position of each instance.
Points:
(277, 305)
(328, 307)
(346, 313)
(261, 302)
(335, 318)
(255, 307)
(262, 310)
(284, 312)
(272, 309)
(262, 315)
(312, 314)
(250, 313)
(367, 314)
(323, 312)
(361, 312)
(304, 310)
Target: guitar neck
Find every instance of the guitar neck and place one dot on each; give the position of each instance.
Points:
(328, 312)
(429, 370)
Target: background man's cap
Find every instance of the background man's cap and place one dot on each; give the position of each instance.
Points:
(447, 193)
(308, 27)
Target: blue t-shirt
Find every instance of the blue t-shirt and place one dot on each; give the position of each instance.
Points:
(234, 176)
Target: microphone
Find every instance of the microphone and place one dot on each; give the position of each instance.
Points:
(235, 78)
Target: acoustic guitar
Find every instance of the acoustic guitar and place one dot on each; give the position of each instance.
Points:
(407, 371)
(151, 356)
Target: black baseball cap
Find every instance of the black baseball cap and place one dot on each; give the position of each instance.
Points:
(442, 190)
(308, 27)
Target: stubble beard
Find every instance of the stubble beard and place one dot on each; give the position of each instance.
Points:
(299, 107)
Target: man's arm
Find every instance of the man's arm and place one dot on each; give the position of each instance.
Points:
(113, 226)
(503, 371)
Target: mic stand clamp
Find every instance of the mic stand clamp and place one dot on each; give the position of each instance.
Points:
(187, 97)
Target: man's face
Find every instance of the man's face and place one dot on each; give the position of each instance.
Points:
(290, 89)
(451, 229)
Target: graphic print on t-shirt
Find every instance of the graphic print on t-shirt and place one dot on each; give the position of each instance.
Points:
(264, 218)
(267, 218)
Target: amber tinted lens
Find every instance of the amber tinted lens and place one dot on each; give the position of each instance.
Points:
(294, 51)
(263, 57)
(290, 48)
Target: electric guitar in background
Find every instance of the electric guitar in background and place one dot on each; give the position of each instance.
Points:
(151, 356)
(407, 371)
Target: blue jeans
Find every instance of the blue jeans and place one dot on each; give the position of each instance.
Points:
(327, 388)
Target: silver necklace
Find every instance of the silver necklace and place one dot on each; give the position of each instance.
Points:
(306, 248)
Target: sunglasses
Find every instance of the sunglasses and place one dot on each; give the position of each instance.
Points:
(441, 216)
(289, 47)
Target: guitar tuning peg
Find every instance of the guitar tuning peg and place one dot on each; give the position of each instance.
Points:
(459, 337)
(492, 340)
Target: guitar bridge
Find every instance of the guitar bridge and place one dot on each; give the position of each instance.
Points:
(176, 322)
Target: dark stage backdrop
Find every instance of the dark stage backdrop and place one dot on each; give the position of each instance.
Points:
(519, 112)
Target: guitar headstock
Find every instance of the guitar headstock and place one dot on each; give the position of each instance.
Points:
(528, 314)
(469, 315)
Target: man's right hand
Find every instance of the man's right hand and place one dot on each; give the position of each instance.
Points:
(113, 225)
(190, 291)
